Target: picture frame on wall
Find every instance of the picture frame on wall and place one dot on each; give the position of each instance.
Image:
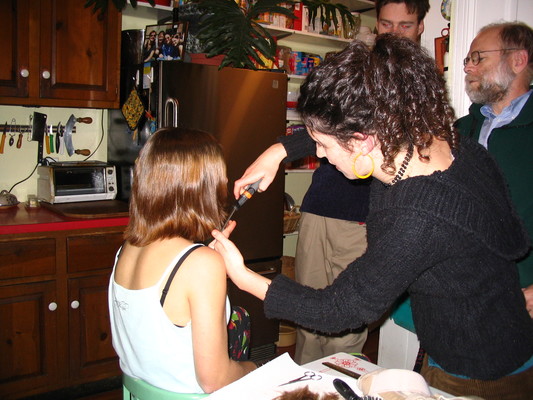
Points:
(165, 42)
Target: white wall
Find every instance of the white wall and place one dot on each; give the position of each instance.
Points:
(434, 23)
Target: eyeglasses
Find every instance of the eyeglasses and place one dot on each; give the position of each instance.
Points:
(476, 58)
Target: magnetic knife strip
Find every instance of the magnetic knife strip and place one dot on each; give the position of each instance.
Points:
(16, 128)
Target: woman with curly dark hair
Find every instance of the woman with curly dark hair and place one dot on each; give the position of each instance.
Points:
(441, 225)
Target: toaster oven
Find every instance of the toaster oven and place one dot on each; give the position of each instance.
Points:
(73, 181)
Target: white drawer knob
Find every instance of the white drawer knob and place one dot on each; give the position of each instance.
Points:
(24, 73)
(75, 304)
(46, 74)
(52, 306)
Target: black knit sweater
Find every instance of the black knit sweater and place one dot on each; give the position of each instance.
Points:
(449, 239)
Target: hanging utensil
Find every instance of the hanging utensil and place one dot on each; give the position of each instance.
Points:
(52, 141)
(12, 135)
(84, 120)
(61, 138)
(30, 129)
(68, 132)
(38, 131)
(47, 141)
(68, 135)
(3, 140)
(57, 141)
(19, 141)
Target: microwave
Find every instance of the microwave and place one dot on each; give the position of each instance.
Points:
(69, 182)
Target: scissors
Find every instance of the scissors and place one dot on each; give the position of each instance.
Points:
(307, 376)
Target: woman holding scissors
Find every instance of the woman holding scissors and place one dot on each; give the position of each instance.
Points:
(441, 225)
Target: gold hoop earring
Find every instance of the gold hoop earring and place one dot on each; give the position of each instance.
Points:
(355, 171)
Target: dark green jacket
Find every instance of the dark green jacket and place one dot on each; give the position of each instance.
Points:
(512, 147)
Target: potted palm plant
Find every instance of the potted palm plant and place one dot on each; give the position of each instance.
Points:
(231, 28)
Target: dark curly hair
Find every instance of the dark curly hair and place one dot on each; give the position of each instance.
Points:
(393, 91)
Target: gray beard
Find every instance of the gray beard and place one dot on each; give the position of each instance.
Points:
(487, 93)
(492, 89)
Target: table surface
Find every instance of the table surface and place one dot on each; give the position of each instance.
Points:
(267, 382)
(352, 363)
(345, 360)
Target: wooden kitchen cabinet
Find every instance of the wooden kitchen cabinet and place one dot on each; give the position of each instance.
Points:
(91, 350)
(58, 53)
(54, 320)
(28, 337)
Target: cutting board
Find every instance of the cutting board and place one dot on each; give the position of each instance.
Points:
(90, 209)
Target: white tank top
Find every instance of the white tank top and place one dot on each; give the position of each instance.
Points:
(149, 345)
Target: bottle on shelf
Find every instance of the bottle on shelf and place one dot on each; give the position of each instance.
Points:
(351, 32)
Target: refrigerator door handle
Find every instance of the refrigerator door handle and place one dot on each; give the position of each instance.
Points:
(173, 105)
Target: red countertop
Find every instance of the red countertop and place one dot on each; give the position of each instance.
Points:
(22, 219)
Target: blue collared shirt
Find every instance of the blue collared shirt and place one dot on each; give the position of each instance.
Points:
(493, 121)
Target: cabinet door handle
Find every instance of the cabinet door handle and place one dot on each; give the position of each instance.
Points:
(75, 304)
(46, 74)
(52, 306)
(24, 73)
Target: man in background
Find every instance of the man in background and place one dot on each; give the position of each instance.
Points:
(332, 226)
(499, 70)
(402, 17)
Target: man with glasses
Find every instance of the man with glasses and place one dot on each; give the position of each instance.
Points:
(499, 70)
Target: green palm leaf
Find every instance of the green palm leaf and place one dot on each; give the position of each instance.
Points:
(328, 13)
(230, 30)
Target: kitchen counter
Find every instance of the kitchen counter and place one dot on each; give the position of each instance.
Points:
(56, 217)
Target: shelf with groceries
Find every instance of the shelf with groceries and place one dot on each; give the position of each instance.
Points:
(311, 37)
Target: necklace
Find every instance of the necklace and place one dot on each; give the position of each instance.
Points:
(403, 167)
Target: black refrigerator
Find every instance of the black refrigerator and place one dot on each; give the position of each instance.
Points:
(246, 111)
